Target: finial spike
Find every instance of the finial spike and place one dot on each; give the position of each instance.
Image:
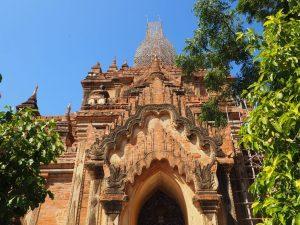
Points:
(97, 68)
(69, 109)
(35, 90)
(31, 102)
(125, 64)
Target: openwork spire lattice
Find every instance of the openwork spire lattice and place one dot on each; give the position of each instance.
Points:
(155, 44)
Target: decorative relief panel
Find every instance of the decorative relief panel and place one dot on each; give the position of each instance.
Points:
(155, 142)
(116, 180)
(205, 176)
(157, 132)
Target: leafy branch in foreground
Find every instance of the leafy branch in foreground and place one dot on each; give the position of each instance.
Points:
(26, 143)
(273, 127)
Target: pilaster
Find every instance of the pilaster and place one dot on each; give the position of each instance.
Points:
(95, 170)
(209, 203)
(113, 205)
(77, 180)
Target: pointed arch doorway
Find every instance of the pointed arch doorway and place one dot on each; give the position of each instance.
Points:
(159, 187)
(160, 209)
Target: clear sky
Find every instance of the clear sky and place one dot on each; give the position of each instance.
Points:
(53, 43)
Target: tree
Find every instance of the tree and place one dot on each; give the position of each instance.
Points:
(211, 112)
(215, 48)
(273, 127)
(274, 80)
(26, 143)
(259, 10)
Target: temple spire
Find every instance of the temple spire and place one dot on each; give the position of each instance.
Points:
(155, 43)
(113, 67)
(31, 102)
(67, 114)
(68, 109)
(97, 68)
(125, 65)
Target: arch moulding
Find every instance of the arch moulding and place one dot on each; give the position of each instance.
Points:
(157, 133)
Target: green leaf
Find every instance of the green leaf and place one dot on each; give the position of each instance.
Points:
(27, 147)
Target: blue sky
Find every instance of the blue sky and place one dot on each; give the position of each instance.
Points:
(53, 43)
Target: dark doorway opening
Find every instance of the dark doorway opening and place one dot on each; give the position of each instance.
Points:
(160, 209)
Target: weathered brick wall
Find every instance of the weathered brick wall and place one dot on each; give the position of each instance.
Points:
(53, 212)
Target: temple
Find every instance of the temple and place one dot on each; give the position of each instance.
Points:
(137, 154)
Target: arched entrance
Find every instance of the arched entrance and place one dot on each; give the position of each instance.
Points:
(156, 149)
(159, 186)
(160, 209)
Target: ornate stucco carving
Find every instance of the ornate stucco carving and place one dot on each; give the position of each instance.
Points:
(134, 146)
(189, 114)
(109, 143)
(149, 149)
(96, 151)
(116, 180)
(205, 177)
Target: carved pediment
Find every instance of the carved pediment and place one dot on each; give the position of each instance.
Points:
(155, 132)
(110, 142)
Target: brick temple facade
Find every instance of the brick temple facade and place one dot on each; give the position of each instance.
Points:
(137, 154)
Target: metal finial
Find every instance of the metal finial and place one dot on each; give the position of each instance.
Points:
(69, 109)
(35, 90)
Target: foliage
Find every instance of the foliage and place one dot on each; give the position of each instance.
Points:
(214, 47)
(215, 79)
(259, 9)
(189, 63)
(211, 112)
(273, 127)
(26, 143)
